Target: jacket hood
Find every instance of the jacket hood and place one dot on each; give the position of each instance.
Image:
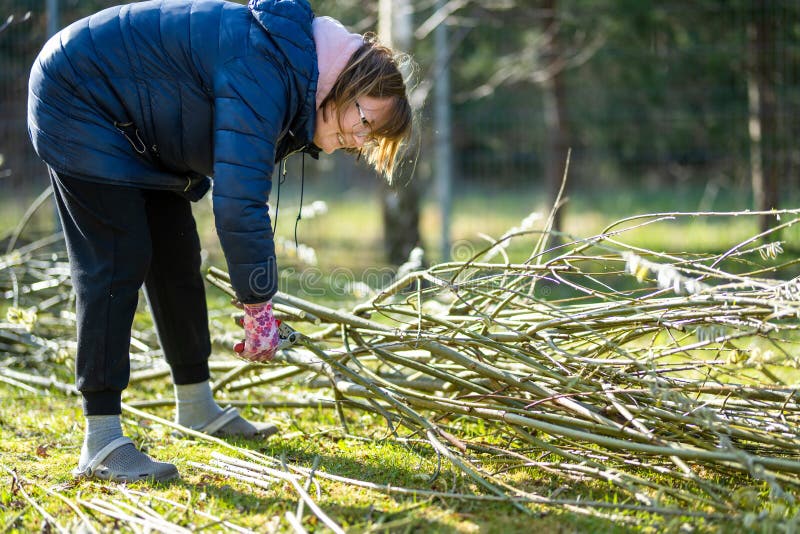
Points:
(289, 24)
(289, 20)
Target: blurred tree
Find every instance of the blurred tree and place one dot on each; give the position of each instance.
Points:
(761, 92)
(660, 99)
(772, 69)
(539, 46)
(22, 34)
(555, 108)
(400, 202)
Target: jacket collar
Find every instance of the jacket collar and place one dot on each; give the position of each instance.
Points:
(291, 144)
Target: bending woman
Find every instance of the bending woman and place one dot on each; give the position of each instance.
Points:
(132, 109)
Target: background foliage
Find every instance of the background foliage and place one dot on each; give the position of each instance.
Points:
(656, 105)
(655, 96)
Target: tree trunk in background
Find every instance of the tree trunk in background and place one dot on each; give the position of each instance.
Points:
(555, 112)
(400, 203)
(762, 126)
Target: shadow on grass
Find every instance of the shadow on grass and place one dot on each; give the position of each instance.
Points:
(353, 517)
(402, 466)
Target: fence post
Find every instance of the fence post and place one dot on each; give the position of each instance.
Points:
(53, 25)
(52, 18)
(443, 138)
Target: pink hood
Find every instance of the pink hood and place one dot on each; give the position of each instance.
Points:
(335, 47)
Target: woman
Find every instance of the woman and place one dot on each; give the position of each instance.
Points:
(132, 108)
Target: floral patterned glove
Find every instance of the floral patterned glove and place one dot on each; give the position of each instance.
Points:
(261, 337)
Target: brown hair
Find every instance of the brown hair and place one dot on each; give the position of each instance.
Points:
(375, 70)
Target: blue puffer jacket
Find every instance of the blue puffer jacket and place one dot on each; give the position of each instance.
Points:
(163, 93)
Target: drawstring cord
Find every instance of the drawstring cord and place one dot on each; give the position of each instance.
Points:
(302, 184)
(278, 200)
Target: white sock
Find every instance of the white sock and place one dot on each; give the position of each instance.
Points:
(195, 405)
(100, 431)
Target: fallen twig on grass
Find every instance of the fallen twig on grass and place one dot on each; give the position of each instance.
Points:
(18, 486)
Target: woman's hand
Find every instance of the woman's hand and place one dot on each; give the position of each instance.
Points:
(261, 337)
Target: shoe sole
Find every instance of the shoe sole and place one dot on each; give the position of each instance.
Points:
(164, 477)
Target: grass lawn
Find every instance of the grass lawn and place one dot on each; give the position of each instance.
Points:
(41, 437)
(41, 429)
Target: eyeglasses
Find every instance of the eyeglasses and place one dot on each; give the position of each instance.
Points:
(363, 130)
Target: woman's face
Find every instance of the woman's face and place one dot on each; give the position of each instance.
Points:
(358, 122)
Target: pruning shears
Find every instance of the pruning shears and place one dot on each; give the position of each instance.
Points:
(288, 337)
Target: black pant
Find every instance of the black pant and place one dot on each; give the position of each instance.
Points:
(117, 238)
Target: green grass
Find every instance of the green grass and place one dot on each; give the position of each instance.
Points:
(40, 434)
(41, 439)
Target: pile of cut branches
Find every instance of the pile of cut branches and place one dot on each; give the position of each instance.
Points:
(671, 377)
